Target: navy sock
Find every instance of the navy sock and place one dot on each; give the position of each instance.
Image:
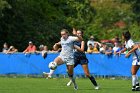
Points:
(92, 79)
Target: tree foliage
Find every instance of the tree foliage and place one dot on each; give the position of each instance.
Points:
(42, 20)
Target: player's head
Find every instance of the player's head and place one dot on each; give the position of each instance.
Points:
(126, 35)
(64, 33)
(79, 32)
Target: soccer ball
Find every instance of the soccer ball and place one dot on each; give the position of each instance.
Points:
(52, 65)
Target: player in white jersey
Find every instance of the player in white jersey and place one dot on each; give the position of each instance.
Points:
(66, 55)
(132, 49)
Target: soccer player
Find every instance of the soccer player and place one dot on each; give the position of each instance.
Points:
(132, 49)
(66, 55)
(80, 58)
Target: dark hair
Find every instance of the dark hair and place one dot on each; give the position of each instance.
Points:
(90, 44)
(126, 35)
(81, 32)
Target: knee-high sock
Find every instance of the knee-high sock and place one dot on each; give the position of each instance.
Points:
(134, 78)
(92, 79)
(137, 80)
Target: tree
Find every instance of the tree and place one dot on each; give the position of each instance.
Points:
(3, 4)
(31, 20)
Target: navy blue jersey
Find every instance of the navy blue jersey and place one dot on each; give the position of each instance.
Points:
(79, 57)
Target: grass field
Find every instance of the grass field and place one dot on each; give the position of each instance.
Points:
(42, 85)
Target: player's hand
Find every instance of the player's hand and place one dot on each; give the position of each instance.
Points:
(127, 55)
(74, 31)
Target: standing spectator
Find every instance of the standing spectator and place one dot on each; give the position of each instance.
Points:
(90, 41)
(5, 48)
(11, 50)
(31, 48)
(116, 46)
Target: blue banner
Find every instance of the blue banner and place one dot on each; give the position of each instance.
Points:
(99, 64)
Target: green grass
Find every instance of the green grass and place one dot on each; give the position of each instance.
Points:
(41, 85)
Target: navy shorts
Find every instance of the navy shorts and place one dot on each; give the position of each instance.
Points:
(80, 60)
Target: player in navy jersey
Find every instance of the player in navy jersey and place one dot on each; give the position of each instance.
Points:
(80, 58)
(134, 50)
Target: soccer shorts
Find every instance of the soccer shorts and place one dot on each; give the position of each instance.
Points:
(136, 61)
(67, 61)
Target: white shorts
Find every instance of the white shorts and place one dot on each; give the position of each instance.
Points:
(67, 61)
(135, 61)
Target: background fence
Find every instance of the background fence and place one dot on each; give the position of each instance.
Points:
(99, 64)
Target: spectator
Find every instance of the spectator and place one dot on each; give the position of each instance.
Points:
(109, 51)
(5, 48)
(103, 48)
(90, 49)
(90, 41)
(31, 48)
(119, 49)
(43, 50)
(116, 47)
(93, 49)
(11, 50)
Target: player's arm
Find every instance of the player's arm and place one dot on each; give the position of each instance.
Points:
(82, 47)
(79, 38)
(134, 47)
(55, 46)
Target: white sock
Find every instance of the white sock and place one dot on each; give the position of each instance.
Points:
(134, 80)
(51, 72)
(73, 80)
(137, 80)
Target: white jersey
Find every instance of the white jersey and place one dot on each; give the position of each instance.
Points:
(136, 54)
(129, 44)
(67, 47)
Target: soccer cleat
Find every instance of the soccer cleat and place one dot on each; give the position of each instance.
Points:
(47, 75)
(96, 88)
(69, 83)
(133, 88)
(75, 87)
(137, 88)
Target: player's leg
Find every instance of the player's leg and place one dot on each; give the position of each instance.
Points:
(135, 83)
(58, 61)
(70, 74)
(75, 64)
(92, 79)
